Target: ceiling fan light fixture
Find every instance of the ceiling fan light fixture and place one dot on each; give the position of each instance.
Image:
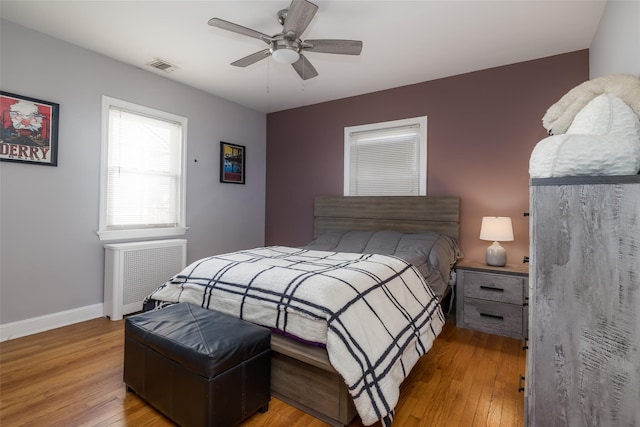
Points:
(285, 55)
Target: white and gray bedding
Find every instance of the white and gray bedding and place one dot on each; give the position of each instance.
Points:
(374, 312)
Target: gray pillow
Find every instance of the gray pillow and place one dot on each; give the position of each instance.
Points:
(433, 254)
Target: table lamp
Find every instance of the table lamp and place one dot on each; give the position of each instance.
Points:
(496, 229)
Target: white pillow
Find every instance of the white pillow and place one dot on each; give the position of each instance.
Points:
(604, 115)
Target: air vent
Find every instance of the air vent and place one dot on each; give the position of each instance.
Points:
(162, 65)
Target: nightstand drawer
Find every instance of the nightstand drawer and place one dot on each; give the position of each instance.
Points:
(494, 287)
(493, 317)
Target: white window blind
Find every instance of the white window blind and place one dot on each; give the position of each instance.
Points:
(386, 159)
(144, 186)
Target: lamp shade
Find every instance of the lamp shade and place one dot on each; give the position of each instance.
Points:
(496, 229)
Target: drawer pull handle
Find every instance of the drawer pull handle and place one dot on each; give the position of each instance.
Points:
(521, 384)
(489, 288)
(493, 316)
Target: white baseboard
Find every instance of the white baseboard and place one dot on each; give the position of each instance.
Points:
(34, 325)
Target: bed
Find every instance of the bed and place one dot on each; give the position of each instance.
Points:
(312, 366)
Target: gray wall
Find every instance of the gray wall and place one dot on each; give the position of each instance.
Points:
(51, 259)
(616, 45)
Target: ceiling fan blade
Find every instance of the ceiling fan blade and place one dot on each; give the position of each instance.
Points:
(299, 16)
(341, 47)
(230, 26)
(252, 59)
(304, 68)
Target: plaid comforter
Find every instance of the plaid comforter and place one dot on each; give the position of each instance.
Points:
(375, 313)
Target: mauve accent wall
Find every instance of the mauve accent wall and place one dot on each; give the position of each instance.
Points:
(482, 127)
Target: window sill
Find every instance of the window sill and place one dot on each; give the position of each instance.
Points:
(143, 233)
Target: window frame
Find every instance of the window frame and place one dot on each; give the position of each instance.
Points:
(181, 228)
(420, 121)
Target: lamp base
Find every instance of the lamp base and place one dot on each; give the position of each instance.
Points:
(496, 255)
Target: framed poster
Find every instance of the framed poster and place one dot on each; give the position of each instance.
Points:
(232, 163)
(28, 130)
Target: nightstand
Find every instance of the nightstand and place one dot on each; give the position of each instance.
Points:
(493, 299)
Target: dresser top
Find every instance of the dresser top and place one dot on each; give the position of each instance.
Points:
(586, 180)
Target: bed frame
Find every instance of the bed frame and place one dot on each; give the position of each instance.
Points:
(302, 375)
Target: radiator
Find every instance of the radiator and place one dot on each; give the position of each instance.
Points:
(133, 270)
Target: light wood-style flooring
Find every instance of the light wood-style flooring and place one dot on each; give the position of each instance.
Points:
(72, 376)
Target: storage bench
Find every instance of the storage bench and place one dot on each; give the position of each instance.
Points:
(198, 367)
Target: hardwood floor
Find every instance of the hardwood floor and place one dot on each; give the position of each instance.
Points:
(72, 376)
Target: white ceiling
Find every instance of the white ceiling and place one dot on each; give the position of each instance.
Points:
(405, 42)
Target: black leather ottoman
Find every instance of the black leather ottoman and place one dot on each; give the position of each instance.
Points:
(198, 367)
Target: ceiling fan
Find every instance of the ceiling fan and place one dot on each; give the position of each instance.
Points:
(287, 46)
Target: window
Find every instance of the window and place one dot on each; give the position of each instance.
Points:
(142, 191)
(386, 159)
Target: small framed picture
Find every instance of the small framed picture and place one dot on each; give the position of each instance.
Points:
(232, 163)
(28, 130)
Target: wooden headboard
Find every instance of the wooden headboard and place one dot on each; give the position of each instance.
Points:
(410, 214)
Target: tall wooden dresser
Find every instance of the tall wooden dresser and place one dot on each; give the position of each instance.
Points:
(583, 363)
